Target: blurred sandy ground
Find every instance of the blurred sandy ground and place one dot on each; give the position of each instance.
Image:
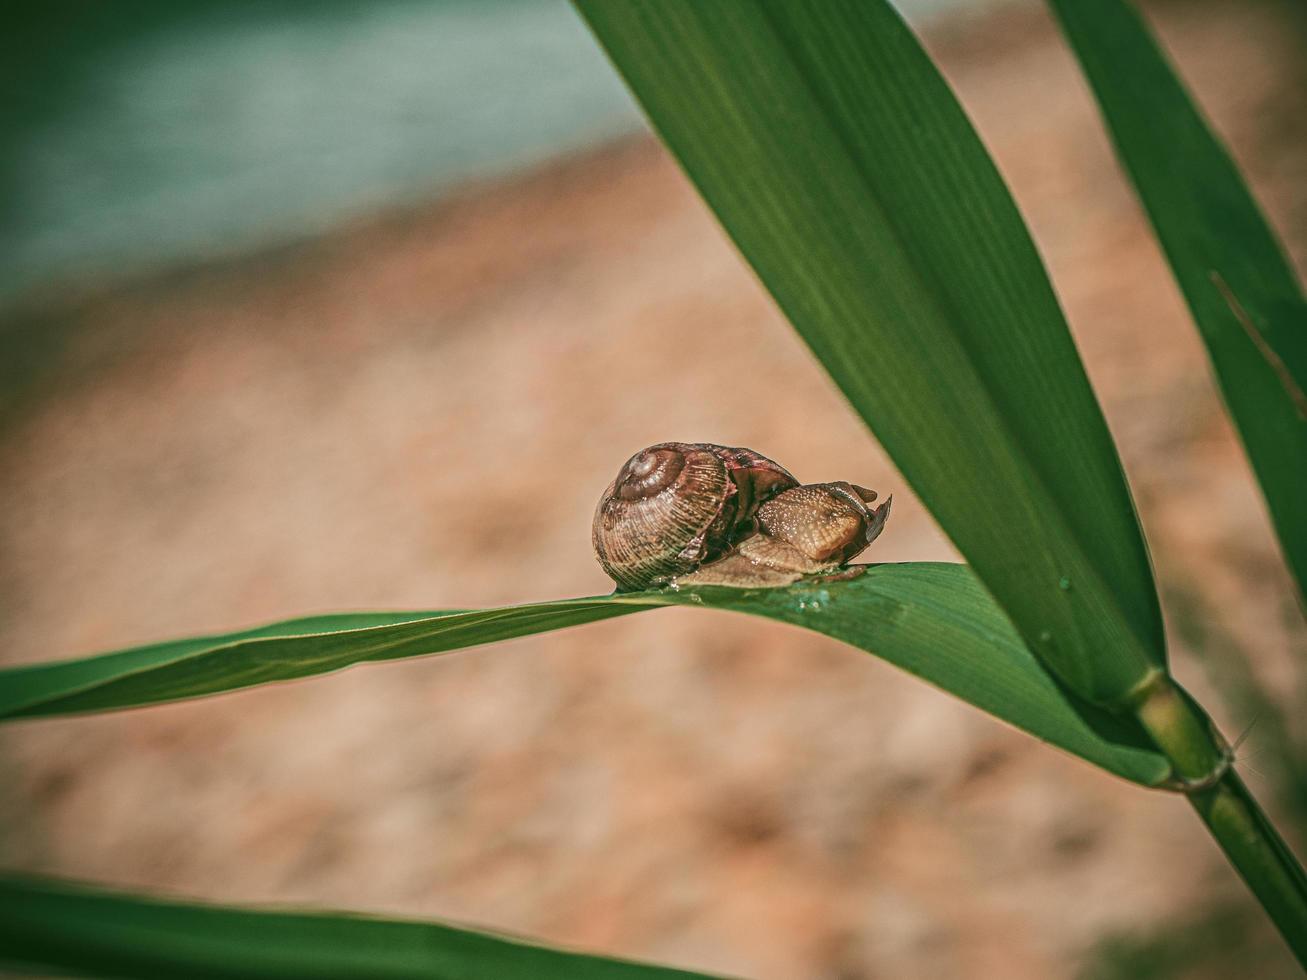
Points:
(420, 411)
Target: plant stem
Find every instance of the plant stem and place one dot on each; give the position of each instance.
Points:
(1201, 759)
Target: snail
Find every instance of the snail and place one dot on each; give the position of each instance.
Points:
(704, 514)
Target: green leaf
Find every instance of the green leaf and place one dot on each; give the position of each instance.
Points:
(1244, 297)
(280, 652)
(53, 924)
(931, 619)
(840, 163)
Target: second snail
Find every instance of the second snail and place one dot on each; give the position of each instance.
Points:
(703, 514)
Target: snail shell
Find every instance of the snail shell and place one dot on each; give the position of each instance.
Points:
(806, 530)
(828, 523)
(676, 506)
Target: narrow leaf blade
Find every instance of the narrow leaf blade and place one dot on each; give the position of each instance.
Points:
(1244, 297)
(934, 620)
(280, 652)
(54, 924)
(836, 157)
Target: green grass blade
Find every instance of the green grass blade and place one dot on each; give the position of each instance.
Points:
(1243, 295)
(838, 160)
(934, 620)
(54, 924)
(280, 652)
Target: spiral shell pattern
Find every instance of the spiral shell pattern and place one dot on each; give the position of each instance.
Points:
(675, 506)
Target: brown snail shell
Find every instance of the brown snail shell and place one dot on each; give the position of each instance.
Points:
(806, 530)
(828, 523)
(676, 506)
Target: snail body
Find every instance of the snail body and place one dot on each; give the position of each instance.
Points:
(709, 514)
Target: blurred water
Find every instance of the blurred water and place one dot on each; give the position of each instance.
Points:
(139, 133)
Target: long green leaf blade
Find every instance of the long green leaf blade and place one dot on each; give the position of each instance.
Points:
(934, 620)
(1247, 303)
(838, 160)
(53, 924)
(280, 652)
